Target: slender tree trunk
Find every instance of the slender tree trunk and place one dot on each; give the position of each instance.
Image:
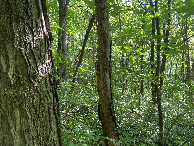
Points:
(28, 100)
(106, 111)
(62, 37)
(166, 34)
(152, 55)
(157, 85)
(186, 73)
(141, 66)
(183, 66)
(183, 71)
(142, 78)
(176, 72)
(192, 67)
(188, 69)
(122, 54)
(123, 75)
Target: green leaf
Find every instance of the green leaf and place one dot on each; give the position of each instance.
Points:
(157, 14)
(183, 47)
(186, 8)
(56, 26)
(71, 144)
(90, 4)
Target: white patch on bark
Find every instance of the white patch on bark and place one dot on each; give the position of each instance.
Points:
(11, 62)
(44, 25)
(45, 68)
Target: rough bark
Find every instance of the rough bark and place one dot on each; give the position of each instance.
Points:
(62, 36)
(104, 73)
(28, 99)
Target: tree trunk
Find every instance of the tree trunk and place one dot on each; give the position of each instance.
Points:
(186, 42)
(104, 73)
(142, 72)
(142, 62)
(183, 66)
(157, 85)
(152, 55)
(192, 67)
(166, 34)
(62, 37)
(28, 99)
(123, 63)
(188, 69)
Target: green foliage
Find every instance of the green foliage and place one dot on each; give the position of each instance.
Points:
(186, 8)
(90, 4)
(136, 114)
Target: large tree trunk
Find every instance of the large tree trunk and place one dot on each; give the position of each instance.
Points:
(104, 73)
(28, 99)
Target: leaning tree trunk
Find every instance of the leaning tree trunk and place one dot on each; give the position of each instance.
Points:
(28, 99)
(82, 50)
(104, 73)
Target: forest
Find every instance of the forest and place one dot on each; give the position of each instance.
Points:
(96, 72)
(152, 70)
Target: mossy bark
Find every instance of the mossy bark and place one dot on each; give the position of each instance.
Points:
(28, 99)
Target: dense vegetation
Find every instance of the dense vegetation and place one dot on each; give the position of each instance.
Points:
(152, 71)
